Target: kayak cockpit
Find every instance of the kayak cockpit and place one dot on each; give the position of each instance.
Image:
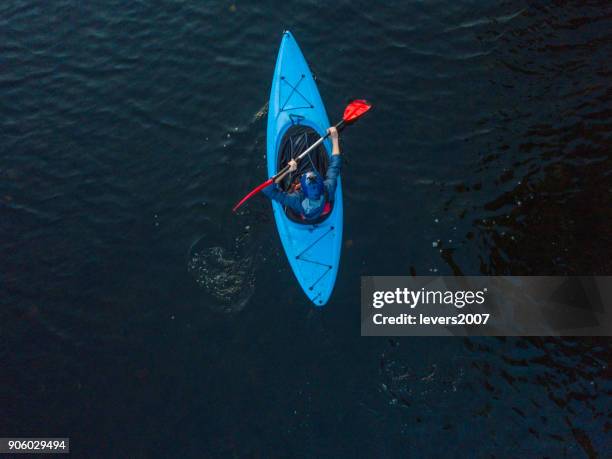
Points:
(297, 139)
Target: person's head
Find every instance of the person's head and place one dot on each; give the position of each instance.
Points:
(312, 185)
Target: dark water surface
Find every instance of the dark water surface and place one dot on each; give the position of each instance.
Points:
(142, 319)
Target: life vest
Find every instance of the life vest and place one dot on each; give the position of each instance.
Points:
(326, 209)
(295, 187)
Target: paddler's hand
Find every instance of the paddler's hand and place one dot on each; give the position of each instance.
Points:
(292, 165)
(333, 134)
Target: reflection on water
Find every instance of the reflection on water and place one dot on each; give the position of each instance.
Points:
(540, 195)
(550, 394)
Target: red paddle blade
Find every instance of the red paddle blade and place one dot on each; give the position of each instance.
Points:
(252, 193)
(355, 109)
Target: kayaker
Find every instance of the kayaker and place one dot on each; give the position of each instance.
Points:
(310, 198)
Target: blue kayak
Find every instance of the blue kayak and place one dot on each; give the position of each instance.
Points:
(296, 117)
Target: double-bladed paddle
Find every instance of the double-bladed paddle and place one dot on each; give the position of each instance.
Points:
(352, 113)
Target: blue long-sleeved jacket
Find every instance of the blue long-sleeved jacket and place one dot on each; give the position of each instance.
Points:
(294, 200)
